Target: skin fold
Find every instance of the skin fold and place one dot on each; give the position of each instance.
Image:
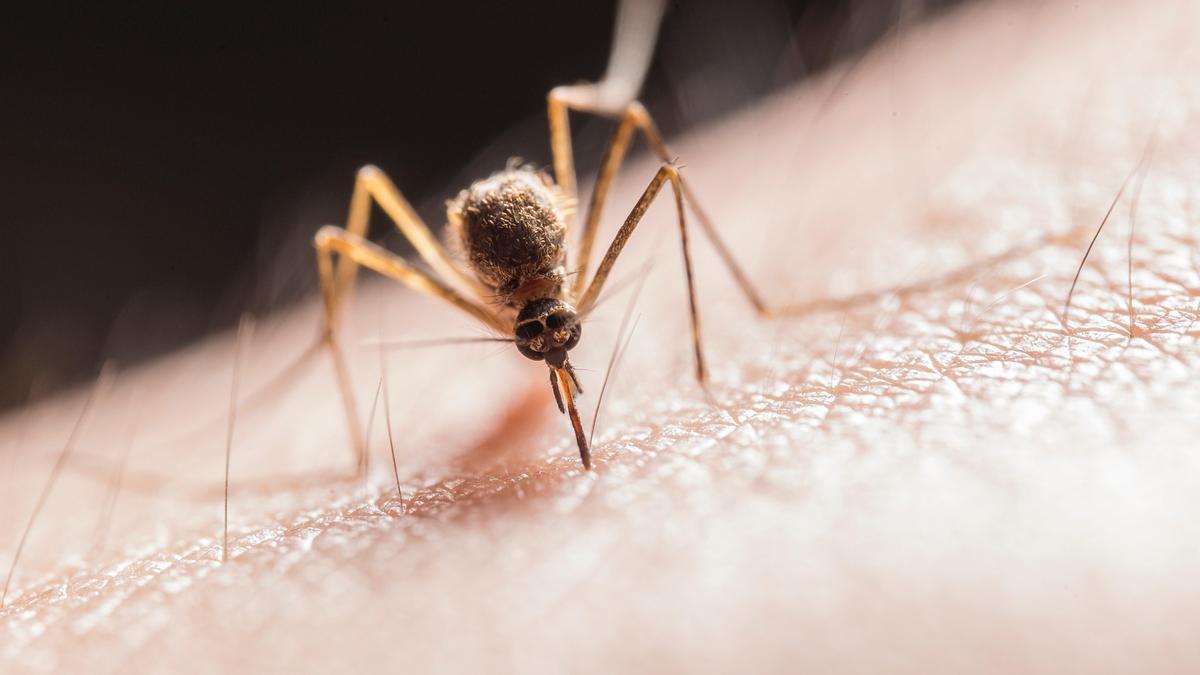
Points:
(931, 469)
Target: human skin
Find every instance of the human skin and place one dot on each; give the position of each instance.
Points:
(929, 469)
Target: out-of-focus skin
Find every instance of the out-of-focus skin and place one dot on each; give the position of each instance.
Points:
(941, 477)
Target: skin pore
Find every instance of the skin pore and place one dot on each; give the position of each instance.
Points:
(940, 475)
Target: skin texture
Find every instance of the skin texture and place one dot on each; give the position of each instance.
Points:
(943, 475)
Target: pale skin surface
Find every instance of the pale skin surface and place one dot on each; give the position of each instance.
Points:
(930, 480)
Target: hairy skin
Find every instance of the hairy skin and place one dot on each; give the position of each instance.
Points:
(942, 475)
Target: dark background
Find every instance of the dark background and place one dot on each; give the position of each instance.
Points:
(163, 169)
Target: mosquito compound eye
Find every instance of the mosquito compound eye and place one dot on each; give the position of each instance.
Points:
(555, 321)
(529, 330)
(576, 332)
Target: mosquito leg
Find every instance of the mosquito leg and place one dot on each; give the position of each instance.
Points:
(667, 172)
(753, 296)
(373, 185)
(634, 37)
(331, 239)
(654, 139)
(557, 106)
(735, 269)
(356, 249)
(634, 116)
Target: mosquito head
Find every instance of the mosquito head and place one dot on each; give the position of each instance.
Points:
(547, 329)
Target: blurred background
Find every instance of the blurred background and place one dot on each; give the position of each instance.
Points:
(163, 169)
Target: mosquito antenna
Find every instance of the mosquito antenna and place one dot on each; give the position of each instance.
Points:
(244, 331)
(103, 383)
(433, 342)
(618, 286)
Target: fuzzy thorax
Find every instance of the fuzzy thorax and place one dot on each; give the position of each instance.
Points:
(510, 228)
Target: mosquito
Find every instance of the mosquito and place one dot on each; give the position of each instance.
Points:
(511, 232)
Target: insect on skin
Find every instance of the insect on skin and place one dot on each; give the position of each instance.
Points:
(512, 229)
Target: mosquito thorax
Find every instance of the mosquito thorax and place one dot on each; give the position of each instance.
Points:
(511, 228)
(546, 329)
